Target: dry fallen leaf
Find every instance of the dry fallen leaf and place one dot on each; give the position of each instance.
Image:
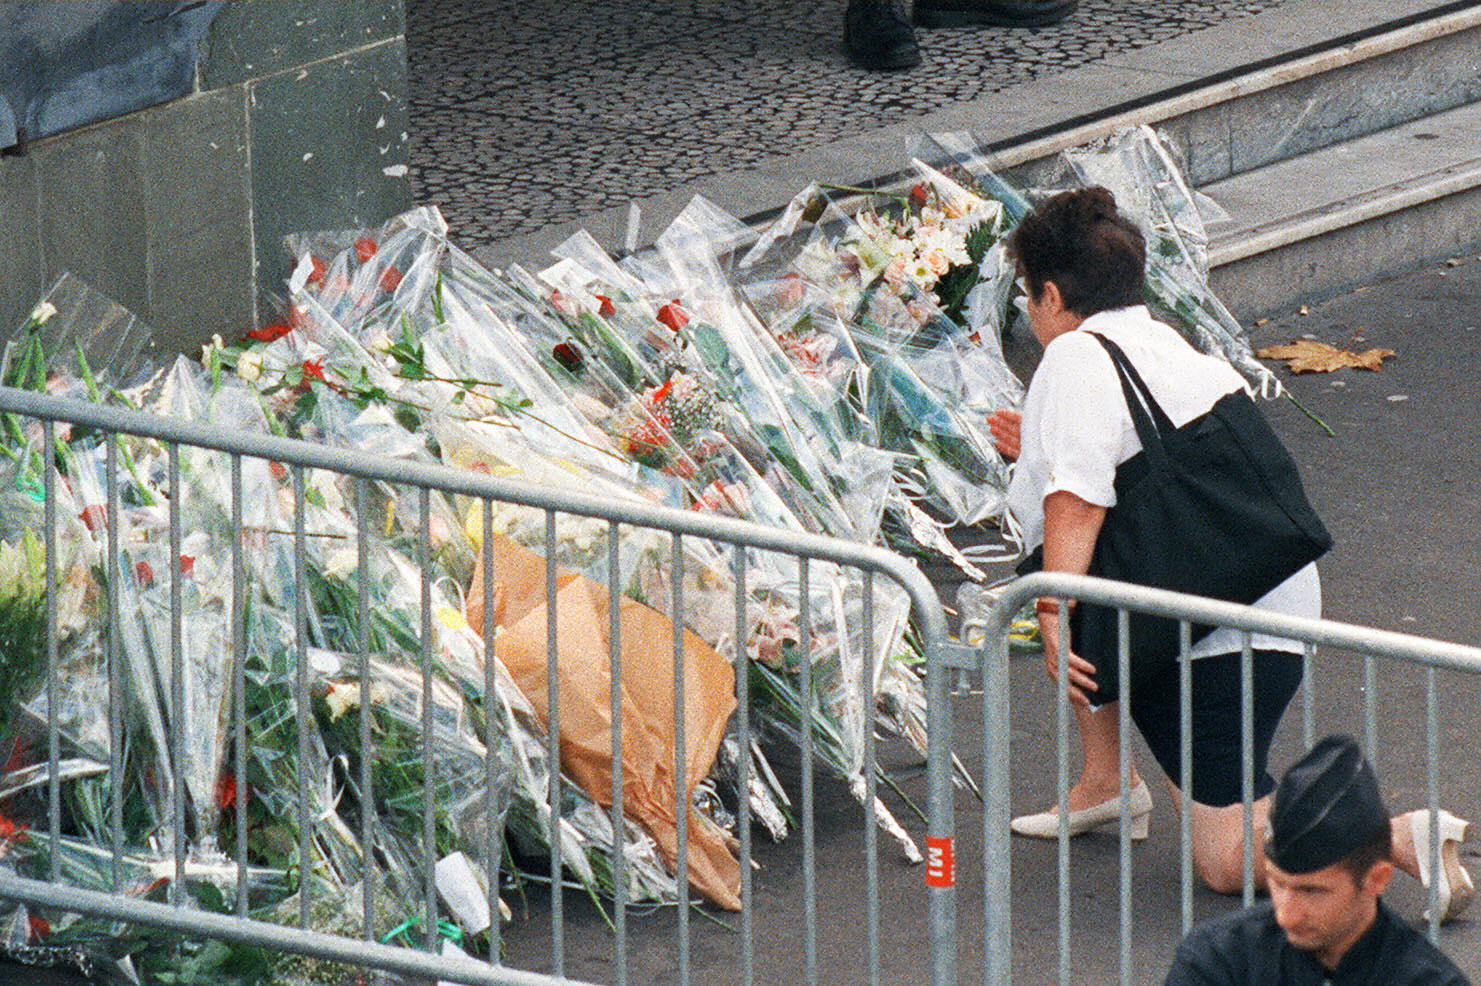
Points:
(1311, 356)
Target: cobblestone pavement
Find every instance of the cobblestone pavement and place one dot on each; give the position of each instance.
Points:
(527, 113)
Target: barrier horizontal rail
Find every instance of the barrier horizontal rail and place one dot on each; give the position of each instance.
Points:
(363, 468)
(204, 924)
(992, 658)
(1215, 612)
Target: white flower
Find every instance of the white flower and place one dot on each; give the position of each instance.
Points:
(210, 349)
(919, 271)
(249, 366)
(343, 696)
(380, 343)
(43, 312)
(341, 563)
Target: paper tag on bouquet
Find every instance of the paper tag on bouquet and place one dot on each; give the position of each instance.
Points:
(301, 274)
(462, 888)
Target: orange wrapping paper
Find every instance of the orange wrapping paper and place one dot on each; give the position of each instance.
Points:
(647, 705)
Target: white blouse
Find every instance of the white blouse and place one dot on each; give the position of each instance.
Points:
(1076, 430)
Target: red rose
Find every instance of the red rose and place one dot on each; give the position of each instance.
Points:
(364, 248)
(20, 754)
(186, 564)
(11, 830)
(226, 792)
(567, 355)
(607, 309)
(278, 470)
(313, 369)
(918, 194)
(673, 316)
(143, 573)
(270, 333)
(40, 927)
(95, 517)
(317, 274)
(390, 279)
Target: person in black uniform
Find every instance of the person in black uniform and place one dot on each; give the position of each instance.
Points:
(1329, 859)
(878, 33)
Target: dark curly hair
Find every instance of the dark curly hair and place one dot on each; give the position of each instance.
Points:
(1093, 253)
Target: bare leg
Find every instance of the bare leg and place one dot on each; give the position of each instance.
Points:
(1218, 843)
(1100, 746)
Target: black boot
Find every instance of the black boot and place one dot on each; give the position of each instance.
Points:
(878, 35)
(1003, 13)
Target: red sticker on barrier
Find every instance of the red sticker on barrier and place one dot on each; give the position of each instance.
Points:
(940, 862)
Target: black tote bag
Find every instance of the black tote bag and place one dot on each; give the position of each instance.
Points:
(1214, 508)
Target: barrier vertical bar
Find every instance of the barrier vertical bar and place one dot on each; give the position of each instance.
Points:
(1062, 788)
(681, 783)
(1247, 762)
(997, 925)
(1123, 727)
(553, 754)
(53, 744)
(871, 830)
(1432, 798)
(1308, 696)
(809, 845)
(178, 719)
(302, 710)
(1185, 771)
(941, 828)
(429, 741)
(619, 859)
(1370, 706)
(743, 732)
(493, 848)
(239, 680)
(114, 658)
(362, 645)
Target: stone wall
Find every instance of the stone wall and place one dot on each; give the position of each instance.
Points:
(297, 122)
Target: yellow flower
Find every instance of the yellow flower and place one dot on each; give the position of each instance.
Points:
(249, 366)
(451, 618)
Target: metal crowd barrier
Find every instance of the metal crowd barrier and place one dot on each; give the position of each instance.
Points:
(992, 660)
(178, 915)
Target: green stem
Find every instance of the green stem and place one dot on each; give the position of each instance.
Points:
(857, 190)
(1309, 413)
(711, 917)
(890, 782)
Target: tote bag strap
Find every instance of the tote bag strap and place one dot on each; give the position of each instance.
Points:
(1153, 427)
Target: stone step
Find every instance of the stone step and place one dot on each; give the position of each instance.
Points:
(1320, 223)
(1238, 112)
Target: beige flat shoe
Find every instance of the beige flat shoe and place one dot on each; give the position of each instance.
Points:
(1045, 825)
(1455, 889)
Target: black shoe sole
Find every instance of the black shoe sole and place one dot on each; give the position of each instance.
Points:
(965, 14)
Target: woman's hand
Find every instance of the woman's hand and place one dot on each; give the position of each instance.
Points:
(1071, 527)
(1081, 672)
(1005, 426)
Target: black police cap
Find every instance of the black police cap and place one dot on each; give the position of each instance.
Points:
(1326, 806)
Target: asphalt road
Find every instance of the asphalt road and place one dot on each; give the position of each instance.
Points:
(1397, 485)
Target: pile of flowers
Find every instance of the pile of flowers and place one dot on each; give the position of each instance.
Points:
(830, 374)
